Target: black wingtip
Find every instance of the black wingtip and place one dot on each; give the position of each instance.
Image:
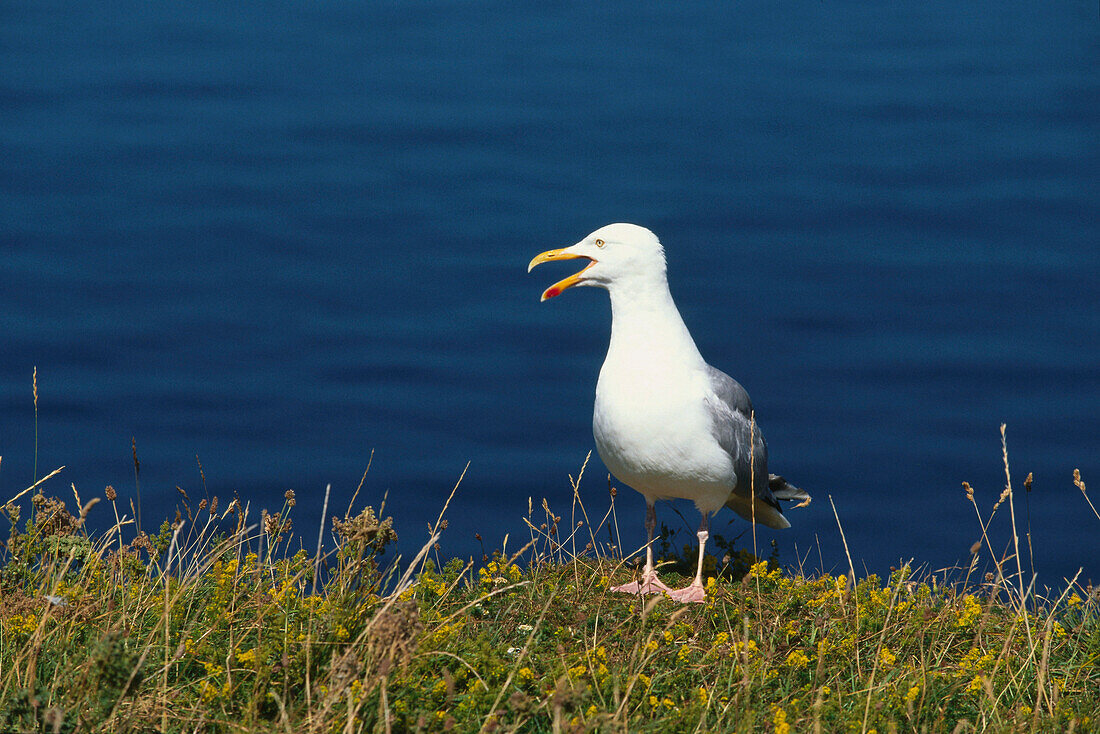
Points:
(784, 490)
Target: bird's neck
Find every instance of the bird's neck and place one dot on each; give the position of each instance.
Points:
(646, 325)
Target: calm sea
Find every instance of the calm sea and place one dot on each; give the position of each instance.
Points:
(281, 236)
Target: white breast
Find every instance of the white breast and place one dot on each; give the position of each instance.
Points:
(653, 431)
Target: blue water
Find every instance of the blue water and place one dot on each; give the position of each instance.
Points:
(282, 236)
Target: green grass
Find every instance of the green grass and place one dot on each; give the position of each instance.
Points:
(214, 624)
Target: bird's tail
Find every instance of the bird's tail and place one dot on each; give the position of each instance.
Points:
(784, 490)
(766, 510)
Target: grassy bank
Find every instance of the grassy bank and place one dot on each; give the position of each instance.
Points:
(214, 623)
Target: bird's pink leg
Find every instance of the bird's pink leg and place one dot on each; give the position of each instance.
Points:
(696, 593)
(649, 583)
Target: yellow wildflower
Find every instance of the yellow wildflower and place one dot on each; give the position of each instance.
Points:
(20, 624)
(972, 609)
(797, 659)
(499, 574)
(444, 633)
(356, 690)
(975, 661)
(780, 721)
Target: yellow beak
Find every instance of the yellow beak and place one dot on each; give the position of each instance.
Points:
(561, 285)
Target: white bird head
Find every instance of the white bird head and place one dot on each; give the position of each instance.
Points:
(619, 255)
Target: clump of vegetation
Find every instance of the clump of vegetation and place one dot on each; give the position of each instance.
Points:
(217, 624)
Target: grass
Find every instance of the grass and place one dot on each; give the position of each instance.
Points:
(216, 624)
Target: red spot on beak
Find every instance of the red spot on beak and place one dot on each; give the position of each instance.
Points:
(551, 292)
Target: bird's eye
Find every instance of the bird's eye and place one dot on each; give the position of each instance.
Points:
(599, 243)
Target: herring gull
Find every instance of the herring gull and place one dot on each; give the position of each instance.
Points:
(666, 423)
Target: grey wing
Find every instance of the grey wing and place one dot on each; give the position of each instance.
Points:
(733, 428)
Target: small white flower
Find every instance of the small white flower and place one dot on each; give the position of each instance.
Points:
(525, 628)
(511, 651)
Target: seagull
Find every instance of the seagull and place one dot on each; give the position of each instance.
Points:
(666, 423)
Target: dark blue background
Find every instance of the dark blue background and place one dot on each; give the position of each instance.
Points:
(282, 235)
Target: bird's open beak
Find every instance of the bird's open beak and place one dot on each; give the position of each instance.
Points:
(561, 285)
